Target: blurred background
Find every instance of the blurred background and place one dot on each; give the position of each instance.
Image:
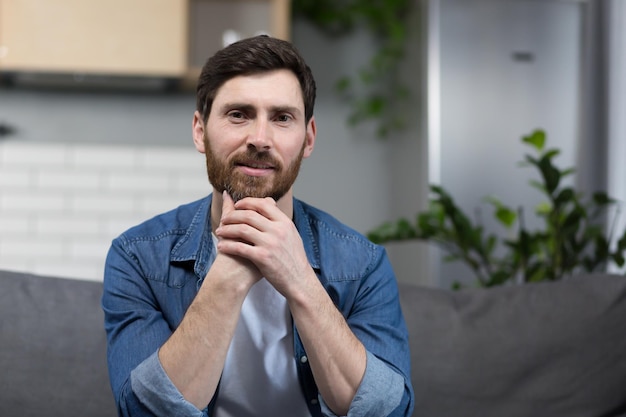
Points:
(97, 99)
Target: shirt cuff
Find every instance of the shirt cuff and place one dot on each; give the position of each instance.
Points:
(155, 390)
(378, 395)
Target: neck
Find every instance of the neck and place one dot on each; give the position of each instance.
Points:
(285, 204)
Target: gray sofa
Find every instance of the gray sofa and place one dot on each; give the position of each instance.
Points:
(52, 348)
(541, 350)
(553, 349)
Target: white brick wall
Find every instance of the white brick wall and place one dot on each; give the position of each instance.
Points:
(61, 204)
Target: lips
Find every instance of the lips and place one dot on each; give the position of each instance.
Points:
(254, 164)
(254, 168)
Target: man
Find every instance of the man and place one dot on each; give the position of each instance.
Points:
(250, 302)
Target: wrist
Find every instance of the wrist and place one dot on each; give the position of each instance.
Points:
(232, 273)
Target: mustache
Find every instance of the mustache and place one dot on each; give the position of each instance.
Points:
(252, 155)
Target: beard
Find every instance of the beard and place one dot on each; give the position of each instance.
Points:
(224, 176)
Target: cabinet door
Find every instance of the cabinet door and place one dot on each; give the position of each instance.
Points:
(212, 21)
(136, 37)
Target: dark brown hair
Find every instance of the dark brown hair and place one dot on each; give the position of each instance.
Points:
(249, 56)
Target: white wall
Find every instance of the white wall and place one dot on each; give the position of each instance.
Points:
(61, 204)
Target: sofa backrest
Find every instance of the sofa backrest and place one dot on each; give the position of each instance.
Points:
(542, 350)
(52, 348)
(553, 349)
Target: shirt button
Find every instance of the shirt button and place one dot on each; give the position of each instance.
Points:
(304, 359)
(314, 401)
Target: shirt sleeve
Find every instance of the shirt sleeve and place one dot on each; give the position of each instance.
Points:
(378, 395)
(155, 391)
(136, 330)
(374, 315)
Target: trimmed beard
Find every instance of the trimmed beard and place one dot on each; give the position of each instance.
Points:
(224, 176)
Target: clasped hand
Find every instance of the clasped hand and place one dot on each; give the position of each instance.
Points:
(256, 230)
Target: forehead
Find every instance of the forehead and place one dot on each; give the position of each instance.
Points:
(280, 87)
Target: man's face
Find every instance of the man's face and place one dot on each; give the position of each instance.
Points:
(255, 137)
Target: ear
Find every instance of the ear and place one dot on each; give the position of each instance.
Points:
(198, 131)
(309, 139)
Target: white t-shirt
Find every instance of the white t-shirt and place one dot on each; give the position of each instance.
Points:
(260, 376)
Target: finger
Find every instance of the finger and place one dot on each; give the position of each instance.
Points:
(266, 207)
(243, 226)
(237, 224)
(228, 205)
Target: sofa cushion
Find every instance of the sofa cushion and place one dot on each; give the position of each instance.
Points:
(52, 348)
(547, 349)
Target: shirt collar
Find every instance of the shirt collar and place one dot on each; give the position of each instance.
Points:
(302, 221)
(197, 243)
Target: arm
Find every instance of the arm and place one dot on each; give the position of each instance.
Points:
(336, 356)
(135, 330)
(182, 377)
(193, 357)
(373, 318)
(258, 231)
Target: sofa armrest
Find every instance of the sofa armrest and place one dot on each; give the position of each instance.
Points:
(52, 348)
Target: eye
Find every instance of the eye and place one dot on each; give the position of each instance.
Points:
(236, 116)
(283, 118)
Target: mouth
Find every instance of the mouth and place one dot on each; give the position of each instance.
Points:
(254, 165)
(255, 168)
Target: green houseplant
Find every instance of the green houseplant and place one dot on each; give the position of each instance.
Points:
(374, 91)
(573, 238)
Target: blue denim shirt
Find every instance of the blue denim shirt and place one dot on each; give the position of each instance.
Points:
(154, 270)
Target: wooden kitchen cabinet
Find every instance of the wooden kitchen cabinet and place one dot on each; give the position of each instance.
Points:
(130, 37)
(155, 38)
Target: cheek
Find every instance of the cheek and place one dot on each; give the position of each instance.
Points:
(287, 155)
(220, 141)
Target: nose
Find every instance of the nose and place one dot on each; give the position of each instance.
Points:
(260, 136)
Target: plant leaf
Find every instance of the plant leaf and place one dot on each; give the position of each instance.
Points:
(505, 215)
(602, 199)
(565, 196)
(537, 139)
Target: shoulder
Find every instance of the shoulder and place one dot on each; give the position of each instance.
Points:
(151, 248)
(325, 223)
(174, 222)
(173, 235)
(338, 249)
